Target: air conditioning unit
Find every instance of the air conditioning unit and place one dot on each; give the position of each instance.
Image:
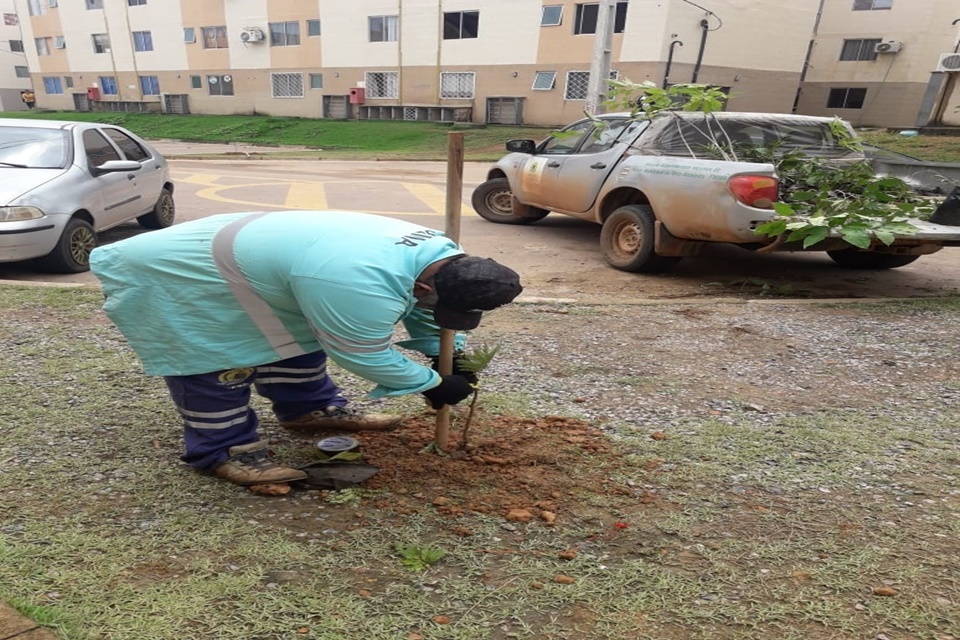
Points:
(949, 62)
(252, 34)
(888, 46)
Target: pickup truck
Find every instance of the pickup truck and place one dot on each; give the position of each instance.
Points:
(660, 195)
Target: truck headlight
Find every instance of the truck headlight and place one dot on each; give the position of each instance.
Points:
(16, 214)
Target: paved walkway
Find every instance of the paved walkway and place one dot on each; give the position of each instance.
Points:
(14, 626)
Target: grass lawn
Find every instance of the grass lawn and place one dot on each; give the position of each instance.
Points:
(387, 139)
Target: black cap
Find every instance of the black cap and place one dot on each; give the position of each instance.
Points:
(469, 286)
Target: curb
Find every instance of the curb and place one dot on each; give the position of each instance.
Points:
(13, 625)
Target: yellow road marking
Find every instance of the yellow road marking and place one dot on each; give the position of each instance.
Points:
(428, 194)
(208, 179)
(306, 195)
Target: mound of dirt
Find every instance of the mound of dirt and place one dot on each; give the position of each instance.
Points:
(518, 468)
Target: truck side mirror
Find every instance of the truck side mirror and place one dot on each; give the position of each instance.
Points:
(521, 146)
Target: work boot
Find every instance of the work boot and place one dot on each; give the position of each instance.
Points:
(250, 464)
(335, 418)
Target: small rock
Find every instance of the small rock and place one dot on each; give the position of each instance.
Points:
(536, 585)
(439, 501)
(364, 593)
(658, 435)
(884, 591)
(519, 515)
(569, 554)
(278, 489)
(548, 516)
(441, 619)
(562, 579)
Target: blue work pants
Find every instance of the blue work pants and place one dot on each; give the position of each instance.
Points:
(215, 406)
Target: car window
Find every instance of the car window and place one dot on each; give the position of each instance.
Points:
(603, 139)
(568, 139)
(97, 149)
(34, 148)
(130, 147)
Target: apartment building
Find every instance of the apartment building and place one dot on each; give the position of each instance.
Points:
(502, 61)
(14, 71)
(881, 63)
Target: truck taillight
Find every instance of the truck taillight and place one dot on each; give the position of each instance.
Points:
(755, 191)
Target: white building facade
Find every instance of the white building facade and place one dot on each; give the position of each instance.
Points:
(500, 61)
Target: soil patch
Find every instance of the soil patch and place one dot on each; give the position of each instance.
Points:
(522, 469)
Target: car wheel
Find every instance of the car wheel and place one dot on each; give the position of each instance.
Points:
(72, 253)
(161, 216)
(493, 200)
(853, 259)
(627, 240)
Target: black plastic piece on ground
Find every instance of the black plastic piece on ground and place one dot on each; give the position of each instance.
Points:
(335, 475)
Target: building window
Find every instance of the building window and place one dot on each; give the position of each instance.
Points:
(11, 19)
(142, 41)
(585, 21)
(552, 15)
(316, 81)
(189, 35)
(149, 85)
(220, 85)
(846, 98)
(21, 72)
(859, 49)
(52, 84)
(16, 46)
(136, 3)
(459, 25)
(577, 84)
(68, 82)
(286, 85)
(54, 4)
(36, 7)
(544, 80)
(59, 42)
(384, 28)
(869, 5)
(108, 85)
(284, 34)
(459, 84)
(101, 43)
(214, 38)
(382, 84)
(43, 46)
(196, 82)
(313, 28)
(94, 4)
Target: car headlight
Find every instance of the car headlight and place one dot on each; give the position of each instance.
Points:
(16, 214)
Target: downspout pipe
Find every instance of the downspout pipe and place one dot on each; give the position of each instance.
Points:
(666, 72)
(705, 27)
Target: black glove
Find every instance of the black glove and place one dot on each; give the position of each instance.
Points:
(457, 369)
(451, 390)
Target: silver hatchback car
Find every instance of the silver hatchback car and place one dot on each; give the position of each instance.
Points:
(62, 182)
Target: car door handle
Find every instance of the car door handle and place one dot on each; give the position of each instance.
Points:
(553, 163)
(598, 165)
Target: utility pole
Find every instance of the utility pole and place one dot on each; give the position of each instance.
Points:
(602, 50)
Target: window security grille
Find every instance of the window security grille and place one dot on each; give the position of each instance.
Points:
(578, 83)
(457, 85)
(382, 84)
(409, 113)
(287, 85)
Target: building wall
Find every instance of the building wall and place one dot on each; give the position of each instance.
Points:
(895, 82)
(758, 48)
(10, 84)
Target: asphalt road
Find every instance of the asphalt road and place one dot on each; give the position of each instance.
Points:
(557, 257)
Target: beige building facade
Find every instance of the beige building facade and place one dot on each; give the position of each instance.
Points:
(14, 70)
(503, 61)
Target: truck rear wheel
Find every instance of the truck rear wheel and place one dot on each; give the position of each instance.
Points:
(627, 241)
(853, 259)
(493, 200)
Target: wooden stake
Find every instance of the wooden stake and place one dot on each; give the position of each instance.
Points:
(452, 230)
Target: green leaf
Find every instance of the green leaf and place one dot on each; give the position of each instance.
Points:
(884, 236)
(858, 239)
(815, 236)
